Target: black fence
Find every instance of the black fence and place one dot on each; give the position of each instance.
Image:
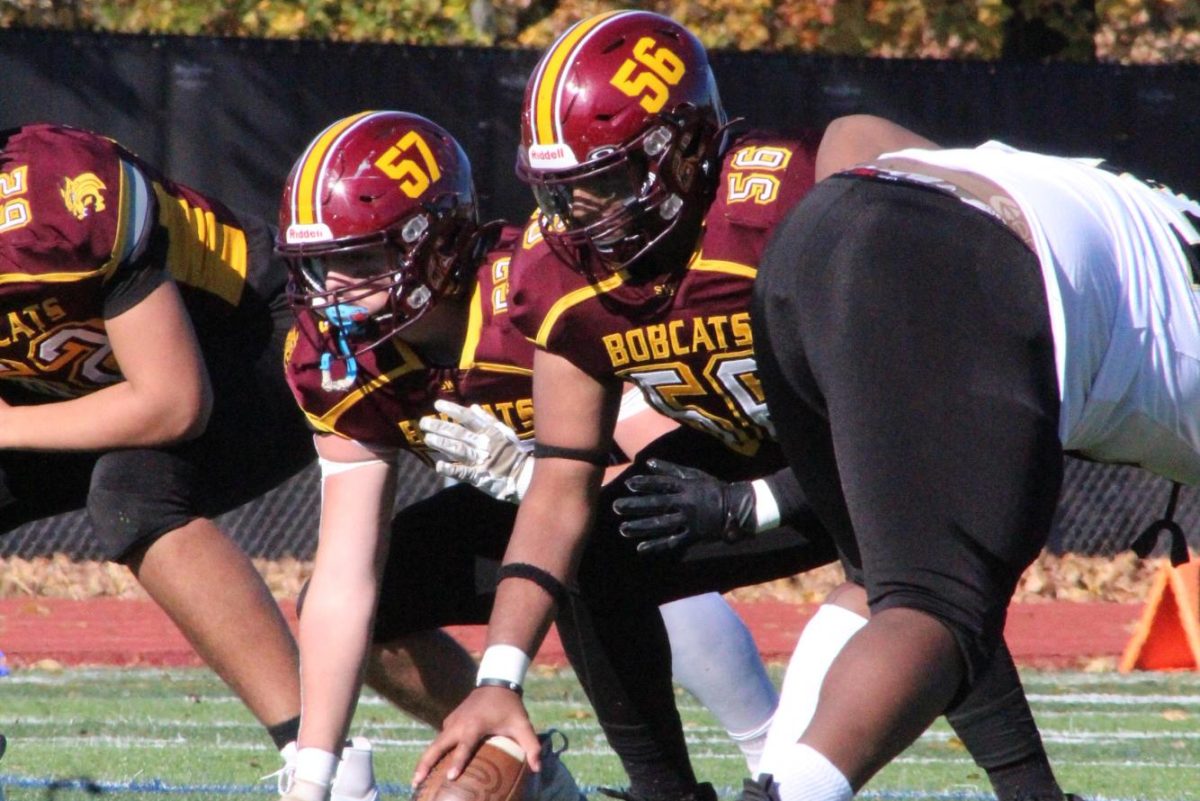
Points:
(228, 116)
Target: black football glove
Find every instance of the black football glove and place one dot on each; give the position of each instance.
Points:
(679, 506)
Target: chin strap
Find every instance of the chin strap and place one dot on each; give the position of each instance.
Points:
(1145, 542)
(344, 319)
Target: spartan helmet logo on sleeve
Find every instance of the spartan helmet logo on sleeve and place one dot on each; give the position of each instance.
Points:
(621, 130)
(393, 193)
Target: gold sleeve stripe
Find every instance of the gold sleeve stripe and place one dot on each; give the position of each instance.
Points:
(552, 72)
(719, 266)
(304, 197)
(572, 299)
(474, 329)
(203, 253)
(495, 367)
(55, 278)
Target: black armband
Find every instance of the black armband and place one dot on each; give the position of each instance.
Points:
(523, 570)
(505, 683)
(596, 456)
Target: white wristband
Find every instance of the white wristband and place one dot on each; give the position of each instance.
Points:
(504, 662)
(766, 508)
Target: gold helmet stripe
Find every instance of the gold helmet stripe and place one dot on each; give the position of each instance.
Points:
(552, 71)
(305, 198)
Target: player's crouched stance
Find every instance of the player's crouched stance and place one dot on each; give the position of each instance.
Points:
(143, 332)
(1073, 326)
(379, 227)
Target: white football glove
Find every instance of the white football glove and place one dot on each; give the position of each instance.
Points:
(479, 450)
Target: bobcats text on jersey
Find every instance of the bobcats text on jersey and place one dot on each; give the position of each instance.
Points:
(693, 357)
(711, 333)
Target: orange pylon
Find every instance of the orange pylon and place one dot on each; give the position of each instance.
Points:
(1168, 635)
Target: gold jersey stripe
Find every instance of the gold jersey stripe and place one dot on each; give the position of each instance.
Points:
(495, 367)
(328, 420)
(54, 278)
(574, 298)
(466, 359)
(720, 266)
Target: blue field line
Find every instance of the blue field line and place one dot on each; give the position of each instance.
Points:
(100, 788)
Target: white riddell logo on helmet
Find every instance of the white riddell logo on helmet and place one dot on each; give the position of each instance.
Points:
(552, 156)
(298, 234)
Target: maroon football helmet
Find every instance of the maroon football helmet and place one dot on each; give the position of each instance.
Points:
(621, 134)
(394, 190)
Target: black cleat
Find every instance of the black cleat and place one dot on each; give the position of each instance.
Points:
(702, 792)
(761, 789)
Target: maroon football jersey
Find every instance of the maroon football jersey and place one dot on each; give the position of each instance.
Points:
(393, 388)
(87, 230)
(692, 353)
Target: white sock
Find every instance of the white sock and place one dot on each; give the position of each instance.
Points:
(315, 766)
(809, 776)
(356, 773)
(821, 641)
(753, 743)
(714, 658)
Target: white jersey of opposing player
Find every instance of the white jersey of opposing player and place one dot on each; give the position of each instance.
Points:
(1123, 304)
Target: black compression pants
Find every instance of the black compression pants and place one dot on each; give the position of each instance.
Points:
(256, 438)
(905, 350)
(441, 571)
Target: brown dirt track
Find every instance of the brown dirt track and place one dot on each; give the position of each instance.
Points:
(54, 632)
(1070, 612)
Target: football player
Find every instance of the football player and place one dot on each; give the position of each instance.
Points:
(141, 339)
(936, 328)
(403, 301)
(639, 268)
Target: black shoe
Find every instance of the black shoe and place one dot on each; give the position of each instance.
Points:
(701, 792)
(761, 789)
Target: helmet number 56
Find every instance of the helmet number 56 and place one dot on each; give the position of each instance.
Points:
(662, 69)
(413, 179)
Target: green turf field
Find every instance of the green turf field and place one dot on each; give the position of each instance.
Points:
(179, 734)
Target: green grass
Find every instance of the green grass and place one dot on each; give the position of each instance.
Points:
(179, 734)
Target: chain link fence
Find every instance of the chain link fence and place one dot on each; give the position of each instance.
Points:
(1102, 511)
(281, 523)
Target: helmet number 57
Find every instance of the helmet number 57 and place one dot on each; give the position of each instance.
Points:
(412, 178)
(662, 69)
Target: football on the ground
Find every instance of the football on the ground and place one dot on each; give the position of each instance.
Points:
(497, 772)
